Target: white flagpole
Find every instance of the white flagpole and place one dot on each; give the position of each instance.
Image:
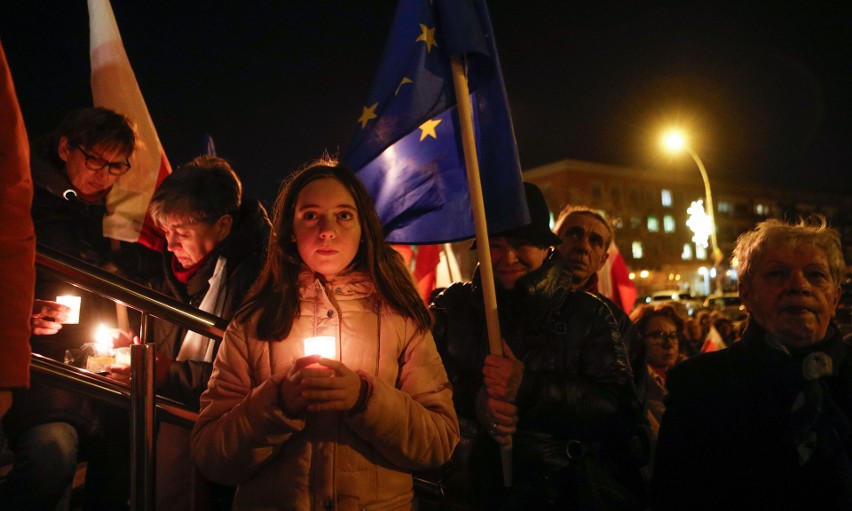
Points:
(489, 293)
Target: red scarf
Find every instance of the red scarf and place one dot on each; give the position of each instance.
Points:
(184, 274)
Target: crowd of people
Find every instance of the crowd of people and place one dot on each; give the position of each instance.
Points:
(586, 407)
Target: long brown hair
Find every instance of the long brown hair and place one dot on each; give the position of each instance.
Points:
(275, 294)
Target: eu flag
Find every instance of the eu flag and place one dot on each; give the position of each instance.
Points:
(407, 148)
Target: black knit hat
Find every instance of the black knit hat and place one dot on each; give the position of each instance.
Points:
(538, 231)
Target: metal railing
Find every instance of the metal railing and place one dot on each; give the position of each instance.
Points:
(138, 397)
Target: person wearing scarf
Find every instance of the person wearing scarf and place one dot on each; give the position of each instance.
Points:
(215, 248)
(767, 422)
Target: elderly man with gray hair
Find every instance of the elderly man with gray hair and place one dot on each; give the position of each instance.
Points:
(767, 423)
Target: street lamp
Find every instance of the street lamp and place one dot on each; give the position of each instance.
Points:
(675, 141)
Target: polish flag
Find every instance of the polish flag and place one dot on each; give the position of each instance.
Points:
(614, 280)
(114, 86)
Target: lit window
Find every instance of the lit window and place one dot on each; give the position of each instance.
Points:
(666, 198)
(761, 209)
(653, 224)
(700, 251)
(686, 255)
(668, 223)
(637, 250)
(725, 207)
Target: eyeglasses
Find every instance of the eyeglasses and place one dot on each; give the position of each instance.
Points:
(116, 168)
(659, 337)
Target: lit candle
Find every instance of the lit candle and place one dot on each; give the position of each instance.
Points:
(74, 303)
(103, 340)
(103, 356)
(324, 346)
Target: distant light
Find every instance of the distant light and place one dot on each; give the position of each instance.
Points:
(702, 271)
(677, 277)
(699, 223)
(644, 274)
(713, 272)
(632, 276)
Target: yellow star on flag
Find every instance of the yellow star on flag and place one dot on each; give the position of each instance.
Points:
(427, 129)
(427, 35)
(367, 113)
(402, 82)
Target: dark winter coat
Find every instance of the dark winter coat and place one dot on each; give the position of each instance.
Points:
(577, 392)
(244, 250)
(744, 429)
(74, 227)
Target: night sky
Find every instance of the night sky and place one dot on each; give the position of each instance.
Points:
(765, 89)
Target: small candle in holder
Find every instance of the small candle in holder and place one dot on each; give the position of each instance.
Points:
(324, 346)
(74, 303)
(102, 357)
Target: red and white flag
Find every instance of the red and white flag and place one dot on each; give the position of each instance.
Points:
(614, 281)
(114, 86)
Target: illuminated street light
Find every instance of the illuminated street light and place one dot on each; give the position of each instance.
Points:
(675, 141)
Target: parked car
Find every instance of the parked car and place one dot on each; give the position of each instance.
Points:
(728, 304)
(683, 300)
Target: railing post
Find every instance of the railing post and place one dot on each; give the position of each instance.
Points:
(142, 427)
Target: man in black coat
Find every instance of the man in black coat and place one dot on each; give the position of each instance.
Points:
(767, 422)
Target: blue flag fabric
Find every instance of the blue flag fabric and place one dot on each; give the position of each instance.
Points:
(407, 148)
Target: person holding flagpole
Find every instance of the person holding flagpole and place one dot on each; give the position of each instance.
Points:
(561, 395)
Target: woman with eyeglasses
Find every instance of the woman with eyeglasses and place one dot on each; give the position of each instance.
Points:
(73, 170)
(661, 329)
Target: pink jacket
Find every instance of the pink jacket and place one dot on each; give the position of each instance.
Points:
(314, 461)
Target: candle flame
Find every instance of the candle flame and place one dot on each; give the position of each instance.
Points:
(324, 346)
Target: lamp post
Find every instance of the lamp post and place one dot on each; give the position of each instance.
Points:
(676, 142)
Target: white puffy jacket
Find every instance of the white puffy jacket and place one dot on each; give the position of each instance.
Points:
(327, 460)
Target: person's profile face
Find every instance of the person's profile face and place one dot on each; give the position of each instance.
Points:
(326, 227)
(792, 294)
(512, 258)
(78, 159)
(191, 242)
(585, 241)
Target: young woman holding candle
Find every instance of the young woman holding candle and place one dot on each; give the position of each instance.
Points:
(311, 432)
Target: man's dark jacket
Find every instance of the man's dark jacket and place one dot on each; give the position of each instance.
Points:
(577, 391)
(745, 429)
